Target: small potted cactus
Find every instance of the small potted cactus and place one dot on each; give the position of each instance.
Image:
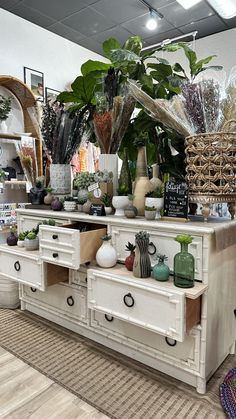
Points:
(129, 261)
(161, 271)
(21, 238)
(150, 213)
(106, 200)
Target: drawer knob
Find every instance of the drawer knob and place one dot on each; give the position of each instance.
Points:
(55, 236)
(17, 265)
(33, 289)
(109, 318)
(55, 255)
(70, 301)
(154, 249)
(128, 300)
(170, 342)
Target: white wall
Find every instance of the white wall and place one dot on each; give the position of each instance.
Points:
(26, 44)
(222, 44)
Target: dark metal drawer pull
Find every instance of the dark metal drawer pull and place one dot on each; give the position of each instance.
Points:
(17, 266)
(173, 342)
(109, 318)
(55, 236)
(33, 289)
(128, 296)
(70, 301)
(151, 253)
(55, 255)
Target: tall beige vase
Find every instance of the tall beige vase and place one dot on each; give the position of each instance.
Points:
(142, 183)
(155, 180)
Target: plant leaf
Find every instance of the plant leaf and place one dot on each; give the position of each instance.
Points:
(109, 45)
(121, 55)
(66, 97)
(134, 44)
(84, 86)
(161, 70)
(94, 66)
(199, 64)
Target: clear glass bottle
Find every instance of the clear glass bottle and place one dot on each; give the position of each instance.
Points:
(184, 268)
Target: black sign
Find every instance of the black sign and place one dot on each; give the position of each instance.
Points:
(97, 209)
(176, 199)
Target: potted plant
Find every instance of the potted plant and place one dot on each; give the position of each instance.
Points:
(131, 211)
(155, 198)
(69, 203)
(80, 202)
(105, 182)
(142, 263)
(2, 175)
(120, 201)
(161, 271)
(21, 238)
(107, 200)
(5, 109)
(106, 255)
(31, 241)
(129, 261)
(49, 197)
(150, 213)
(82, 181)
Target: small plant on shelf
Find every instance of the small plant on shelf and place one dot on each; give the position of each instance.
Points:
(161, 271)
(106, 238)
(129, 261)
(150, 208)
(122, 190)
(157, 193)
(103, 176)
(142, 235)
(5, 107)
(83, 180)
(184, 239)
(106, 199)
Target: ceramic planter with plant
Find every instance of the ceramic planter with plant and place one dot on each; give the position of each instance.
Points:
(106, 255)
(155, 199)
(69, 203)
(49, 197)
(82, 181)
(120, 201)
(161, 271)
(107, 201)
(5, 109)
(21, 238)
(31, 241)
(150, 213)
(131, 211)
(129, 261)
(142, 263)
(80, 202)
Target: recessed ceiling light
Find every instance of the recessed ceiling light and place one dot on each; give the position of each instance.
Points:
(225, 8)
(187, 4)
(152, 21)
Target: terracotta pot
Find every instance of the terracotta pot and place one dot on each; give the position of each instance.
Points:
(129, 261)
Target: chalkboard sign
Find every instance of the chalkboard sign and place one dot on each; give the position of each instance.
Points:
(97, 209)
(176, 199)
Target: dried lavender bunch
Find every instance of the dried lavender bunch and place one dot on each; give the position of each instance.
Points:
(211, 100)
(194, 106)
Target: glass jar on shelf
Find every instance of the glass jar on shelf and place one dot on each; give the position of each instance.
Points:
(184, 263)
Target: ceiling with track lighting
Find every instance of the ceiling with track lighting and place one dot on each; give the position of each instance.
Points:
(90, 22)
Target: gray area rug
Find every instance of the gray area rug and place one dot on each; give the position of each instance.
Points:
(112, 383)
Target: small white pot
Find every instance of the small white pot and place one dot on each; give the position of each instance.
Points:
(119, 203)
(106, 256)
(108, 210)
(20, 243)
(151, 202)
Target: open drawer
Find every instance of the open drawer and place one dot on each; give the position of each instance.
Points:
(69, 245)
(26, 267)
(156, 306)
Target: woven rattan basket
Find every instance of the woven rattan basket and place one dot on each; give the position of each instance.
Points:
(211, 164)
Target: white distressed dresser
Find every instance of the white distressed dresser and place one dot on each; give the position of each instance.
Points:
(185, 333)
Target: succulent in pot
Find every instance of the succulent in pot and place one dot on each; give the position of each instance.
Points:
(150, 213)
(31, 241)
(129, 261)
(106, 255)
(12, 238)
(155, 198)
(120, 201)
(80, 202)
(56, 204)
(107, 200)
(49, 197)
(131, 211)
(21, 238)
(161, 271)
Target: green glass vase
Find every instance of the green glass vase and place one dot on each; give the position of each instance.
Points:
(184, 268)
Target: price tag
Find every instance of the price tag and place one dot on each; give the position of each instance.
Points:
(97, 209)
(93, 186)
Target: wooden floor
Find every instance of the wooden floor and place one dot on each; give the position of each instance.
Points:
(26, 393)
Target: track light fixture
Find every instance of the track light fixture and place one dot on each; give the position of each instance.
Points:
(152, 22)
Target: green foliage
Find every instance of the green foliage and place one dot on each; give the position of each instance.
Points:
(106, 199)
(5, 107)
(161, 258)
(184, 238)
(123, 190)
(49, 189)
(105, 238)
(68, 198)
(23, 235)
(157, 193)
(31, 235)
(109, 45)
(142, 235)
(83, 180)
(147, 208)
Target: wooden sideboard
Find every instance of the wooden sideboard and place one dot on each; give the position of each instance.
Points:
(186, 333)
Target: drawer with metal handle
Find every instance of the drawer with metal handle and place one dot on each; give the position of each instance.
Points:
(155, 306)
(70, 245)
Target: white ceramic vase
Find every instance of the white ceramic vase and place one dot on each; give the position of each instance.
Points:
(20, 243)
(108, 210)
(106, 256)
(120, 203)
